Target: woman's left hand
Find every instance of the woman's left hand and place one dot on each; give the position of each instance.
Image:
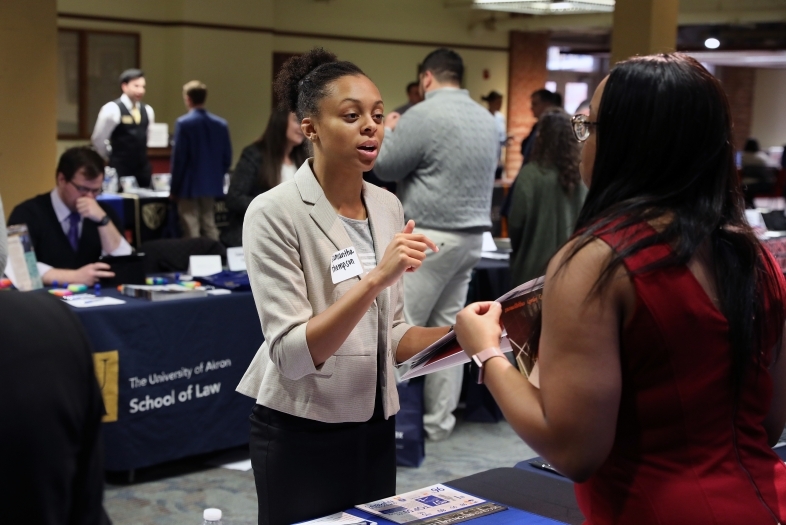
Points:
(477, 327)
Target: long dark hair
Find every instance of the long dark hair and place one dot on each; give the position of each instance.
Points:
(556, 147)
(664, 151)
(272, 146)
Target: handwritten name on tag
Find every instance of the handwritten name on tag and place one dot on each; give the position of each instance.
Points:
(345, 264)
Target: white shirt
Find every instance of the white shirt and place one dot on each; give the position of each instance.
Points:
(502, 132)
(502, 127)
(288, 171)
(62, 212)
(759, 159)
(109, 118)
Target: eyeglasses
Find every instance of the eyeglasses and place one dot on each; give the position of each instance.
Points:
(582, 126)
(84, 190)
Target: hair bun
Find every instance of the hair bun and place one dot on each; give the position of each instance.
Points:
(294, 71)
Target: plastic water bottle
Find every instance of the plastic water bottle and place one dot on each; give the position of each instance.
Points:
(212, 517)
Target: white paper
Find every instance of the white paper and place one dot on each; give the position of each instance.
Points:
(243, 466)
(341, 518)
(421, 504)
(90, 301)
(235, 259)
(201, 265)
(157, 135)
(9, 272)
(21, 266)
(755, 219)
(129, 184)
(488, 243)
(161, 181)
(345, 264)
(148, 193)
(497, 256)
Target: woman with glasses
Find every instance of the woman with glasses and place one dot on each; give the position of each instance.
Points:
(660, 384)
(70, 230)
(546, 199)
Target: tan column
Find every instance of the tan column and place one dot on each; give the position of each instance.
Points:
(527, 74)
(28, 117)
(643, 27)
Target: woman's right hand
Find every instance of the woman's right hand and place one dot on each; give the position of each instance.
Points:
(477, 327)
(405, 253)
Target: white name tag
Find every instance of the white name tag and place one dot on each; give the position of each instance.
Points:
(345, 264)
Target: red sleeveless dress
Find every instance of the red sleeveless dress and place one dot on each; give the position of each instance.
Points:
(685, 451)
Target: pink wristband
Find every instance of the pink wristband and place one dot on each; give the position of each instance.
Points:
(484, 355)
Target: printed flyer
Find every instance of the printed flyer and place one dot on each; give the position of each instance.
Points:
(421, 504)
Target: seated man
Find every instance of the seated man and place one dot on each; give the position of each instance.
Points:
(68, 227)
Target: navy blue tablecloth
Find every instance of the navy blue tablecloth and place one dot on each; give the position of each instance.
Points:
(174, 366)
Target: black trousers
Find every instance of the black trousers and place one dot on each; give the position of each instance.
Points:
(306, 469)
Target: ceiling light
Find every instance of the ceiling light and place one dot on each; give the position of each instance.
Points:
(712, 43)
(546, 7)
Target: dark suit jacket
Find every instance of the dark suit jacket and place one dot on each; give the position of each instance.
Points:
(50, 243)
(51, 465)
(244, 185)
(201, 156)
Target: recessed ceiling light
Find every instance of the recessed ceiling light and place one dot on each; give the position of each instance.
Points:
(712, 43)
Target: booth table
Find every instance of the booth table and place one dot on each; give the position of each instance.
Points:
(532, 498)
(168, 371)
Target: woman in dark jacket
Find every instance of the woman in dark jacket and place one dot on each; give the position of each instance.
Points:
(547, 197)
(264, 164)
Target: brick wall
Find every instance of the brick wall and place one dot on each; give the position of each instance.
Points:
(739, 83)
(527, 74)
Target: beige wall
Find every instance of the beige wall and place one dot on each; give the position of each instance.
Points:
(237, 64)
(392, 67)
(768, 124)
(28, 60)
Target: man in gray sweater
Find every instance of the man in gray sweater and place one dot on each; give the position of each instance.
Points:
(442, 153)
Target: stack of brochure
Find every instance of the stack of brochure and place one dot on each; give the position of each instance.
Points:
(162, 292)
(423, 504)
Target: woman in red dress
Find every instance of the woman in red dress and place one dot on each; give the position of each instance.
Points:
(661, 380)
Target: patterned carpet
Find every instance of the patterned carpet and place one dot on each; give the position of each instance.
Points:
(176, 494)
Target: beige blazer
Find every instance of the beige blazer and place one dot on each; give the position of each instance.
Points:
(289, 236)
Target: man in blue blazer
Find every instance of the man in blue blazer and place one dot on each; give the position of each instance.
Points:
(201, 156)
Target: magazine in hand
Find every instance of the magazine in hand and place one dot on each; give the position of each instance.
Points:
(520, 309)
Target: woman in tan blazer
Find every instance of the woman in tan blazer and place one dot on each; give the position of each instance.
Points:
(323, 430)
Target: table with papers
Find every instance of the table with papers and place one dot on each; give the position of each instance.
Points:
(168, 371)
(530, 498)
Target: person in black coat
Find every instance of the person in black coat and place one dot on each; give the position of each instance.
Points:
(540, 101)
(70, 230)
(264, 164)
(51, 458)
